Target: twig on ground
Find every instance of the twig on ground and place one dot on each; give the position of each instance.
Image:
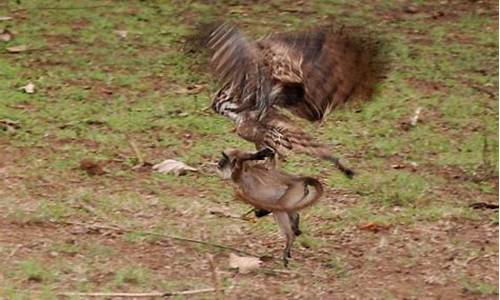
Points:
(215, 277)
(416, 116)
(88, 208)
(64, 7)
(178, 238)
(222, 214)
(14, 251)
(244, 216)
(137, 152)
(138, 295)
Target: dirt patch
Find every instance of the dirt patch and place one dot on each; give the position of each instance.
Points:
(54, 40)
(27, 240)
(439, 11)
(428, 87)
(79, 24)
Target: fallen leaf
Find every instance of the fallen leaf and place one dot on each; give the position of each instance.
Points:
(5, 18)
(244, 264)
(17, 49)
(6, 35)
(410, 9)
(414, 120)
(191, 89)
(121, 33)
(29, 88)
(92, 167)
(173, 166)
(397, 166)
(195, 88)
(374, 227)
(9, 125)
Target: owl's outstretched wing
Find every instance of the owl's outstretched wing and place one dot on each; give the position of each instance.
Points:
(318, 70)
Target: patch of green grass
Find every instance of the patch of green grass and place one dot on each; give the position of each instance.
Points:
(35, 271)
(100, 251)
(338, 267)
(13, 293)
(66, 248)
(307, 241)
(139, 237)
(479, 287)
(392, 188)
(44, 212)
(494, 218)
(132, 275)
(362, 213)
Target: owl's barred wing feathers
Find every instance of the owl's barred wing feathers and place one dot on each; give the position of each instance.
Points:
(238, 65)
(233, 56)
(333, 66)
(309, 73)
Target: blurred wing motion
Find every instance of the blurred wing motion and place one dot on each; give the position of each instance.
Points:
(308, 73)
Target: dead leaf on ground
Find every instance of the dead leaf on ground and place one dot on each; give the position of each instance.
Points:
(17, 49)
(416, 116)
(5, 18)
(244, 264)
(410, 9)
(29, 88)
(6, 35)
(9, 125)
(397, 166)
(374, 227)
(92, 167)
(121, 33)
(191, 89)
(173, 166)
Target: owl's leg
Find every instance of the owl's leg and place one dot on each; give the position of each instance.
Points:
(272, 159)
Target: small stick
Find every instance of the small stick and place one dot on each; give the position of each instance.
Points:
(138, 295)
(416, 116)
(215, 277)
(14, 251)
(64, 7)
(138, 154)
(88, 208)
(248, 212)
(178, 238)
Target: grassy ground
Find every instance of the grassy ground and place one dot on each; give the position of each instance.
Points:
(98, 91)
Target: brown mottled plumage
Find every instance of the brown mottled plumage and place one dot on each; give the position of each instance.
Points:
(308, 73)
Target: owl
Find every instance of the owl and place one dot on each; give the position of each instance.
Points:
(267, 83)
